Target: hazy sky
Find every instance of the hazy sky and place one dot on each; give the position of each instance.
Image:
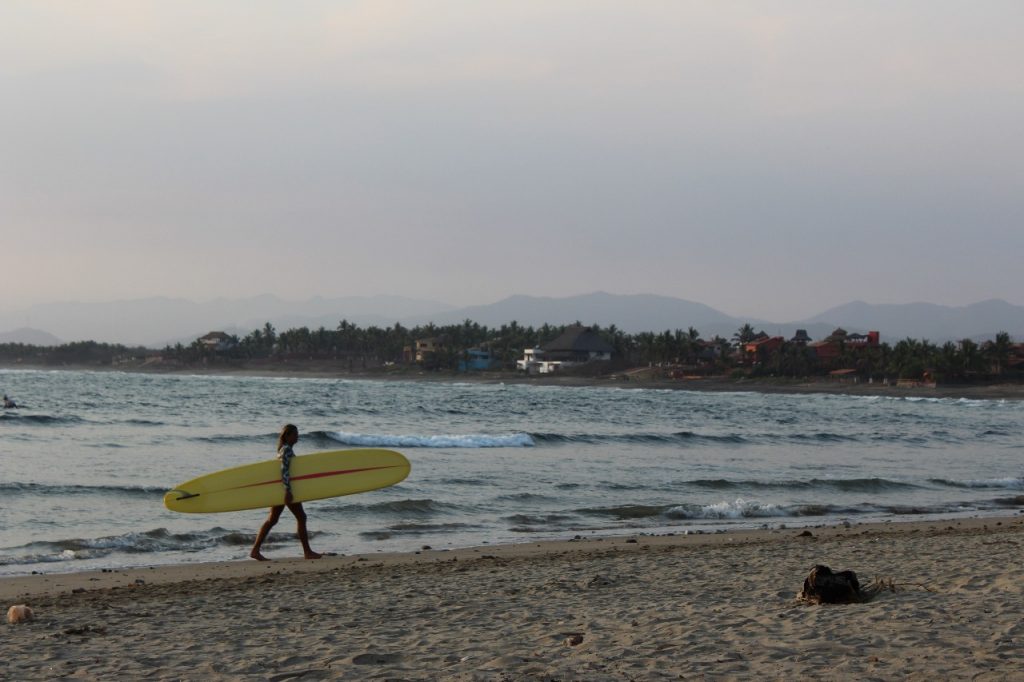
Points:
(770, 159)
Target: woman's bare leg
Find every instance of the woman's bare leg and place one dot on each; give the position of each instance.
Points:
(275, 514)
(300, 518)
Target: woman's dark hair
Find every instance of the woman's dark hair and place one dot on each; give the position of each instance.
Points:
(286, 430)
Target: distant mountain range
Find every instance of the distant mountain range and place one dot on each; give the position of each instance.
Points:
(634, 313)
(33, 337)
(156, 322)
(936, 323)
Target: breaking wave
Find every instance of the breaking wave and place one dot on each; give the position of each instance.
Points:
(477, 440)
(1009, 483)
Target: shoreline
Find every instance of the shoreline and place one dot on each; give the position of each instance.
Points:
(321, 370)
(41, 583)
(640, 607)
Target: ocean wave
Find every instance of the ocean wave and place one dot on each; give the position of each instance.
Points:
(741, 508)
(843, 484)
(1015, 501)
(737, 509)
(628, 511)
(676, 438)
(522, 497)
(911, 440)
(152, 541)
(420, 528)
(475, 482)
(966, 402)
(949, 507)
(14, 488)
(726, 484)
(423, 507)
(144, 422)
(241, 439)
(819, 510)
(538, 519)
(477, 440)
(40, 419)
(1009, 483)
(622, 487)
(867, 485)
(414, 529)
(919, 510)
(694, 439)
(821, 437)
(327, 439)
(318, 439)
(265, 441)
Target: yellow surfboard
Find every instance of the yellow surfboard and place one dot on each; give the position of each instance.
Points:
(314, 477)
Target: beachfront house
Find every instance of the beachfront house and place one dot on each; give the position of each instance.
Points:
(533, 362)
(476, 360)
(577, 345)
(831, 347)
(761, 348)
(801, 338)
(869, 340)
(826, 350)
(217, 341)
(424, 351)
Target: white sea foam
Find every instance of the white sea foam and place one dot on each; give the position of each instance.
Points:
(737, 509)
(470, 440)
(1005, 483)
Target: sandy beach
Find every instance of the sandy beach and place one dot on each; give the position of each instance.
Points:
(643, 608)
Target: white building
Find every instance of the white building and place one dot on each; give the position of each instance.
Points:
(577, 345)
(533, 362)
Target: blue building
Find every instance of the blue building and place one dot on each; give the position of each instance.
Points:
(476, 360)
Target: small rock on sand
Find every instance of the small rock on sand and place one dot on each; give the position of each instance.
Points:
(19, 613)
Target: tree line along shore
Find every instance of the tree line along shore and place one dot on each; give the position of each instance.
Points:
(672, 354)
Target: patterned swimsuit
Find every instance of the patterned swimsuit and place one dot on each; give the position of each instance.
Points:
(285, 454)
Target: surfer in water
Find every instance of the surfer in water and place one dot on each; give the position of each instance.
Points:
(289, 437)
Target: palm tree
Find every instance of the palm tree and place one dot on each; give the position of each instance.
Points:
(269, 336)
(970, 356)
(998, 351)
(905, 358)
(723, 349)
(947, 360)
(744, 335)
(645, 342)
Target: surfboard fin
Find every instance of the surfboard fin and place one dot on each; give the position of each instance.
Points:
(186, 494)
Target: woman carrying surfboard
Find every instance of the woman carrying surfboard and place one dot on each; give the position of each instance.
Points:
(289, 437)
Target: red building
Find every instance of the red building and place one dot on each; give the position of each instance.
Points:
(832, 347)
(761, 349)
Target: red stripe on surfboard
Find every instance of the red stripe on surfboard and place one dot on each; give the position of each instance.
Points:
(322, 474)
